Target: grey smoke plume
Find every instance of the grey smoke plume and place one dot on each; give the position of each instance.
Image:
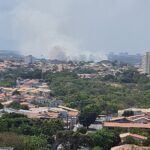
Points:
(79, 27)
(37, 26)
(58, 53)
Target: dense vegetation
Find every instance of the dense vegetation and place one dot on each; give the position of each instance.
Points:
(128, 76)
(108, 96)
(86, 71)
(103, 139)
(22, 142)
(17, 105)
(22, 133)
(36, 133)
(127, 89)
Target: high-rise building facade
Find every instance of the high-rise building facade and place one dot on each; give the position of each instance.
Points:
(146, 63)
(28, 59)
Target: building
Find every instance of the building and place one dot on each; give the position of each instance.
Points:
(146, 63)
(135, 111)
(129, 147)
(137, 121)
(28, 59)
(136, 137)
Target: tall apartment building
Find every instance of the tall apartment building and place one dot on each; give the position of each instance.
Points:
(146, 63)
(28, 59)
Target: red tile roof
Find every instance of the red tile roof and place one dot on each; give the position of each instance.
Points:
(127, 125)
(72, 113)
(53, 114)
(137, 136)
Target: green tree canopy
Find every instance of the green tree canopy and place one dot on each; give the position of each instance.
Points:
(1, 106)
(88, 115)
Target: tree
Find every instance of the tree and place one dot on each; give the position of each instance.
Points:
(1, 106)
(13, 140)
(52, 126)
(82, 130)
(87, 118)
(128, 113)
(25, 107)
(20, 142)
(72, 140)
(105, 138)
(130, 140)
(147, 142)
(97, 148)
(88, 115)
(15, 105)
(16, 92)
(12, 116)
(36, 143)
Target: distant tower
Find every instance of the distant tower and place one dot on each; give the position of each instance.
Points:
(28, 59)
(146, 63)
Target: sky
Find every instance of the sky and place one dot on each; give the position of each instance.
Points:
(48, 27)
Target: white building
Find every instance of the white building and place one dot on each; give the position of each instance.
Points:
(146, 63)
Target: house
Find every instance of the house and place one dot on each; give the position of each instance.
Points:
(68, 115)
(56, 103)
(129, 147)
(53, 115)
(136, 111)
(143, 118)
(41, 100)
(138, 137)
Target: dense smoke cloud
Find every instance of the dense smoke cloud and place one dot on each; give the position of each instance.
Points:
(78, 27)
(57, 53)
(37, 27)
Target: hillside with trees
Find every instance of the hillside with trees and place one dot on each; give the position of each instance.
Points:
(129, 89)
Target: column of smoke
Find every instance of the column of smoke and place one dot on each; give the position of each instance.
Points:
(60, 53)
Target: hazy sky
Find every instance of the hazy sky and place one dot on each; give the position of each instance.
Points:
(76, 26)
